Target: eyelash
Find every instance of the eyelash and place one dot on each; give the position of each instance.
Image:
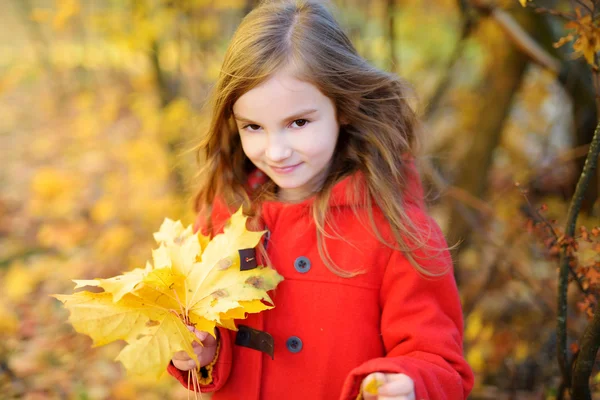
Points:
(296, 120)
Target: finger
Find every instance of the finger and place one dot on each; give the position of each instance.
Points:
(402, 385)
(181, 356)
(210, 340)
(184, 365)
(370, 385)
(206, 338)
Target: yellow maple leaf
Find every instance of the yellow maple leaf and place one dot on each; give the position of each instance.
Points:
(153, 334)
(191, 282)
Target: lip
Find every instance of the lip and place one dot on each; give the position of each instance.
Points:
(284, 170)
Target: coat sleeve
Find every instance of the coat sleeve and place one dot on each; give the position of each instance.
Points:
(421, 325)
(214, 376)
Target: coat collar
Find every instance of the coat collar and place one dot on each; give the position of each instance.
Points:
(349, 191)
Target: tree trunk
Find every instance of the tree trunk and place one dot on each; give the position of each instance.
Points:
(488, 110)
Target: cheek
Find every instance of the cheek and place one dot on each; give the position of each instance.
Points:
(252, 146)
(318, 144)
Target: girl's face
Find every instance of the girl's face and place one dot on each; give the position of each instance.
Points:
(289, 130)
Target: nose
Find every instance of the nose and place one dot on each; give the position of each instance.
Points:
(277, 149)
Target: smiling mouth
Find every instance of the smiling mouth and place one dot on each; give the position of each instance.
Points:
(284, 170)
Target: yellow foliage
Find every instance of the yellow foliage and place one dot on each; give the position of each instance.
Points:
(146, 160)
(8, 320)
(213, 70)
(40, 15)
(176, 116)
(114, 240)
(229, 4)
(207, 28)
(191, 282)
(474, 326)
(19, 282)
(104, 210)
(54, 193)
(475, 358)
(521, 351)
(586, 36)
(66, 10)
(63, 236)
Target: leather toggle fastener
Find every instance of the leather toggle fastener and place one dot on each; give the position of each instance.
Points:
(255, 339)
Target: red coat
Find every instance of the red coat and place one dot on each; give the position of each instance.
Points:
(331, 332)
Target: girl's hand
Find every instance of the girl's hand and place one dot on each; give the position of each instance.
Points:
(394, 387)
(205, 353)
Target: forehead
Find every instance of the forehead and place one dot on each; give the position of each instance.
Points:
(280, 95)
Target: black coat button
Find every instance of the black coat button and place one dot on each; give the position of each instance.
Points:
(302, 264)
(294, 344)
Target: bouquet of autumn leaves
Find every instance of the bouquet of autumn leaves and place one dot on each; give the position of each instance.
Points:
(192, 282)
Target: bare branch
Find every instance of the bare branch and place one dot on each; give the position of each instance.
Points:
(394, 59)
(584, 179)
(582, 4)
(521, 39)
(525, 42)
(586, 357)
(556, 13)
(591, 336)
(539, 217)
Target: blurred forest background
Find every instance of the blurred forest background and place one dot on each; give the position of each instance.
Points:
(101, 104)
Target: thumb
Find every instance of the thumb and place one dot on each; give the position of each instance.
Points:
(371, 384)
(206, 338)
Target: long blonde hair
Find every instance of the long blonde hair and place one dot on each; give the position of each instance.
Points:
(376, 137)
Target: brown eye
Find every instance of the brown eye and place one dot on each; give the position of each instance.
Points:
(252, 127)
(300, 122)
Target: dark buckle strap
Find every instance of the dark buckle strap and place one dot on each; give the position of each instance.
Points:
(255, 339)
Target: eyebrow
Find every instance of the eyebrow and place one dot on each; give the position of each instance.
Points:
(302, 113)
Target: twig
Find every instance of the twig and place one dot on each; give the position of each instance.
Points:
(455, 192)
(520, 38)
(591, 337)
(582, 4)
(525, 42)
(542, 10)
(586, 357)
(565, 258)
(540, 217)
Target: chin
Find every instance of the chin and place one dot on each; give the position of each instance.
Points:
(288, 183)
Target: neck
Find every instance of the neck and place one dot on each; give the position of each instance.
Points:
(299, 194)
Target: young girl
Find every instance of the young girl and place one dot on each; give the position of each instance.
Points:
(318, 146)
